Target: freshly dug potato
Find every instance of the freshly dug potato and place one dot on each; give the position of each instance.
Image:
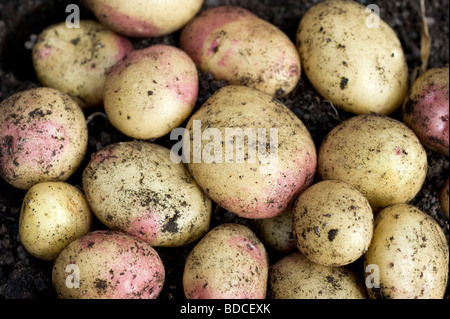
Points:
(235, 45)
(443, 199)
(43, 137)
(296, 277)
(75, 60)
(426, 109)
(108, 265)
(249, 152)
(352, 60)
(333, 223)
(229, 262)
(411, 253)
(378, 155)
(135, 187)
(151, 92)
(150, 18)
(53, 214)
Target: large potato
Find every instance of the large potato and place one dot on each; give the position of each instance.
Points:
(411, 254)
(53, 214)
(227, 263)
(249, 152)
(235, 45)
(136, 187)
(352, 59)
(296, 277)
(150, 18)
(333, 223)
(43, 137)
(151, 91)
(378, 155)
(75, 60)
(108, 265)
(426, 109)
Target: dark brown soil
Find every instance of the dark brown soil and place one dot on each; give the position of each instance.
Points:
(23, 276)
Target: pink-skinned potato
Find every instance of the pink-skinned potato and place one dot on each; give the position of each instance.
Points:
(108, 265)
(426, 109)
(235, 45)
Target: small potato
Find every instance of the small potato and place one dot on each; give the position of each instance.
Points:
(443, 199)
(75, 60)
(249, 152)
(378, 155)
(43, 137)
(296, 277)
(150, 18)
(426, 109)
(235, 45)
(229, 262)
(352, 57)
(411, 254)
(108, 265)
(135, 187)
(333, 223)
(151, 92)
(53, 214)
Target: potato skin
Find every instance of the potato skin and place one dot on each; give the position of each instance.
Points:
(150, 18)
(136, 188)
(296, 277)
(376, 154)
(112, 265)
(229, 262)
(426, 109)
(235, 45)
(242, 187)
(443, 199)
(333, 223)
(151, 92)
(43, 137)
(53, 214)
(75, 61)
(360, 69)
(411, 252)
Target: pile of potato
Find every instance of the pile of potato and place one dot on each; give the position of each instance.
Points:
(323, 208)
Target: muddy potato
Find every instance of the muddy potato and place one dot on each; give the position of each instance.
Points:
(443, 199)
(378, 155)
(75, 60)
(410, 251)
(151, 92)
(150, 18)
(53, 214)
(426, 109)
(229, 262)
(296, 277)
(108, 265)
(352, 57)
(135, 187)
(235, 45)
(43, 137)
(249, 152)
(333, 223)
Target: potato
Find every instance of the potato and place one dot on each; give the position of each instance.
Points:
(150, 18)
(443, 199)
(229, 262)
(352, 59)
(333, 223)
(235, 45)
(249, 152)
(411, 254)
(376, 154)
(151, 91)
(108, 265)
(135, 187)
(43, 137)
(75, 60)
(426, 111)
(296, 277)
